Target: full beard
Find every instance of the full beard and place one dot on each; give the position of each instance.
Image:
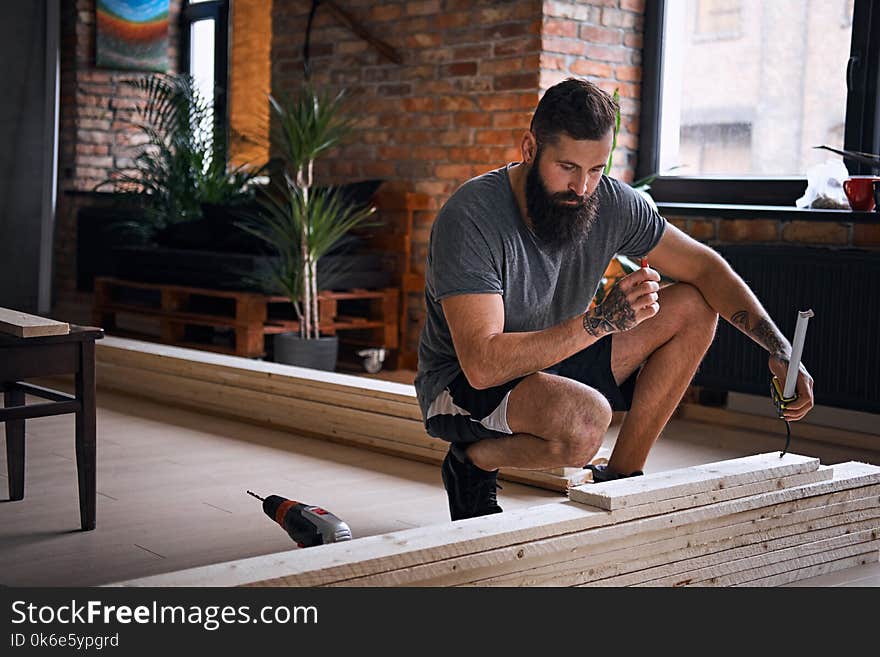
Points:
(554, 222)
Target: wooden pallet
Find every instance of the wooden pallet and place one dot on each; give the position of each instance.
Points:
(248, 316)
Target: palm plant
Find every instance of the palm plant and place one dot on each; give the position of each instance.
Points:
(182, 161)
(302, 223)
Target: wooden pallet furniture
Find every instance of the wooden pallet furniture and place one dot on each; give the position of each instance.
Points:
(397, 211)
(248, 316)
(370, 413)
(756, 521)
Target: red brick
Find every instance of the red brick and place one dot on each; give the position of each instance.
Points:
(633, 40)
(423, 40)
(446, 21)
(459, 172)
(565, 46)
(394, 152)
(553, 62)
(815, 232)
(472, 119)
(511, 120)
(559, 27)
(517, 46)
(606, 53)
(481, 51)
(458, 68)
(453, 137)
(748, 230)
(587, 67)
(419, 104)
(434, 153)
(628, 73)
(515, 81)
(457, 103)
(601, 35)
(385, 12)
(499, 137)
(508, 101)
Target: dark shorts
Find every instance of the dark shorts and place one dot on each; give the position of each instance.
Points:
(463, 414)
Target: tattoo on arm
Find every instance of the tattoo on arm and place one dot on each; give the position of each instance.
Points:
(768, 336)
(740, 319)
(614, 314)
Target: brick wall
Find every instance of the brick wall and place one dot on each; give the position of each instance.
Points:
(93, 137)
(600, 41)
(716, 231)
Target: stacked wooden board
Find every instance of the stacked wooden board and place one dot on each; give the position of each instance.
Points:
(370, 413)
(763, 520)
(24, 325)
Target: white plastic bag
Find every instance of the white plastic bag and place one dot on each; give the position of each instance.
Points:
(825, 186)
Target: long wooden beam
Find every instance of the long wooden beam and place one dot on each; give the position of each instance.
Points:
(377, 415)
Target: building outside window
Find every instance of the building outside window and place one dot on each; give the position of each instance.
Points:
(747, 88)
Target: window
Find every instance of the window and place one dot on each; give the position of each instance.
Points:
(743, 90)
(205, 36)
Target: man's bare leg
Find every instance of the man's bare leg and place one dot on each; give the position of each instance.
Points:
(557, 422)
(671, 345)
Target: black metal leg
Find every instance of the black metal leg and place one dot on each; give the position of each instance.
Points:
(15, 446)
(86, 434)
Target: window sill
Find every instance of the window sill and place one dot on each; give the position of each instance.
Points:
(778, 212)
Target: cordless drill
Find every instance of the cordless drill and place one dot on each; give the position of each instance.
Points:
(307, 525)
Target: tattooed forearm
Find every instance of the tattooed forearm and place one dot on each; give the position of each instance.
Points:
(613, 314)
(740, 319)
(768, 336)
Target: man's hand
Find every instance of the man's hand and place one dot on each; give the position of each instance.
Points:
(629, 302)
(804, 388)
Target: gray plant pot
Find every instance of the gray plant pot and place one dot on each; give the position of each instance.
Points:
(316, 353)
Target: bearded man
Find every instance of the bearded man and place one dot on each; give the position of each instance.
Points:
(515, 369)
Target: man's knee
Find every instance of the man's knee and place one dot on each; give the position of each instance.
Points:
(589, 424)
(696, 315)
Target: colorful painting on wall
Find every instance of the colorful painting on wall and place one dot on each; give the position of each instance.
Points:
(132, 34)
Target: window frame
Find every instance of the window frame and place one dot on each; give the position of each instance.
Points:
(861, 132)
(218, 10)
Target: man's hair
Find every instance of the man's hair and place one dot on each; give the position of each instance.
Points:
(576, 108)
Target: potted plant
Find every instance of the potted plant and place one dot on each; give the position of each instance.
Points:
(302, 223)
(181, 164)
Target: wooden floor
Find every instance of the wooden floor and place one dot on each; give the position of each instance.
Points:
(171, 493)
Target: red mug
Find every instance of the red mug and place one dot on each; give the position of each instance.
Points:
(860, 192)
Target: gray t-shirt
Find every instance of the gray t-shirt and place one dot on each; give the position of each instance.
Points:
(480, 244)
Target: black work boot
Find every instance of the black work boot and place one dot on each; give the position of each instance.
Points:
(601, 473)
(471, 490)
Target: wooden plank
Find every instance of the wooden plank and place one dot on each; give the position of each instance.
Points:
(814, 571)
(795, 559)
(353, 400)
(518, 563)
(367, 556)
(393, 435)
(659, 486)
(170, 359)
(671, 569)
(24, 325)
(600, 553)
